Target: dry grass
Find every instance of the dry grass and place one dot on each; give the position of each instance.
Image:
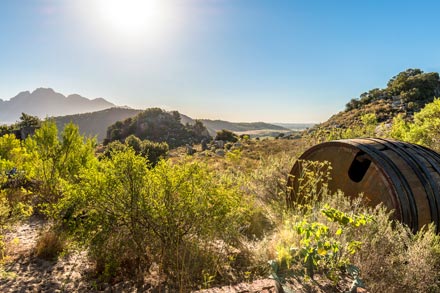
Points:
(49, 245)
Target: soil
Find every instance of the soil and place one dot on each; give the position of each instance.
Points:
(23, 271)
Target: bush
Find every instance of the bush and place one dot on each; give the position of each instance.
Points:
(57, 162)
(152, 151)
(179, 216)
(423, 130)
(226, 135)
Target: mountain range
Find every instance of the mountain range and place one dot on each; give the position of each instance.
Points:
(44, 102)
(93, 117)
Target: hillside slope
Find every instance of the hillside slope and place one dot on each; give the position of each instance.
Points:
(216, 125)
(96, 123)
(406, 93)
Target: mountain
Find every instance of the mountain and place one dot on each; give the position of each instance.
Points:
(406, 93)
(240, 127)
(44, 102)
(96, 123)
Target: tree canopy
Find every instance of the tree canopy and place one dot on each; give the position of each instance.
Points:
(157, 125)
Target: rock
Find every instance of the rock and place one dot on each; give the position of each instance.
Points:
(219, 144)
(237, 145)
(220, 152)
(189, 150)
(204, 144)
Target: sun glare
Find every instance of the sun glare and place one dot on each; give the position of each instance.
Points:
(134, 18)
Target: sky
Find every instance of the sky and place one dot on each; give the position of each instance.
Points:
(236, 60)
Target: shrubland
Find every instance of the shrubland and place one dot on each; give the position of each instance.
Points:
(147, 213)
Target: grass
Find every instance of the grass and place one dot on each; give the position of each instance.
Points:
(50, 244)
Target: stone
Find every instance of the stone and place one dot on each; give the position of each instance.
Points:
(219, 144)
(220, 152)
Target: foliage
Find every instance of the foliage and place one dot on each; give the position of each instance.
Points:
(367, 128)
(49, 244)
(424, 130)
(226, 135)
(28, 121)
(152, 151)
(14, 200)
(311, 185)
(159, 126)
(319, 247)
(173, 215)
(393, 259)
(55, 162)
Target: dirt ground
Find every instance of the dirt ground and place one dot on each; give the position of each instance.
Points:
(24, 272)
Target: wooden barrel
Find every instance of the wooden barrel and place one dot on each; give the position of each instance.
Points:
(404, 177)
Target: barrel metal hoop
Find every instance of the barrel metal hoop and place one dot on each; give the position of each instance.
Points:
(408, 206)
(417, 166)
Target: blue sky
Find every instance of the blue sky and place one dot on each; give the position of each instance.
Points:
(237, 60)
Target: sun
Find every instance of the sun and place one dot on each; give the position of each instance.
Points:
(133, 18)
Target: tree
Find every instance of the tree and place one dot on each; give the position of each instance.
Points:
(28, 121)
(153, 151)
(157, 125)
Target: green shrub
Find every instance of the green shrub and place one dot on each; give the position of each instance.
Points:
(424, 130)
(226, 135)
(152, 151)
(57, 162)
(179, 216)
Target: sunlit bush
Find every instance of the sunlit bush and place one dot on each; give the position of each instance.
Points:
(179, 216)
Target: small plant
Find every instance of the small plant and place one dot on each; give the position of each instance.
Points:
(321, 247)
(317, 247)
(49, 245)
(207, 279)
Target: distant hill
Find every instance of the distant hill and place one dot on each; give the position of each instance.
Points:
(96, 123)
(216, 125)
(44, 102)
(155, 124)
(295, 126)
(406, 93)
